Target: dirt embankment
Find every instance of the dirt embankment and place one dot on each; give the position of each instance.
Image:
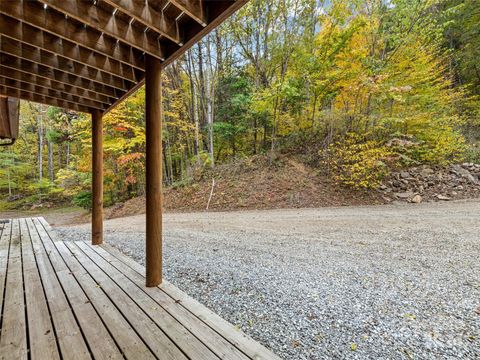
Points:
(254, 183)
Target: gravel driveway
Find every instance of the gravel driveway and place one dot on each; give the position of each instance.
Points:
(380, 282)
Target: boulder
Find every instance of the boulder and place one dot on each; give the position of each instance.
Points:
(417, 199)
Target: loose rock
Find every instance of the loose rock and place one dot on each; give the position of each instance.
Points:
(433, 183)
(443, 197)
(417, 199)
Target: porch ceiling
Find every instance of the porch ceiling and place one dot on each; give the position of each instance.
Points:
(87, 55)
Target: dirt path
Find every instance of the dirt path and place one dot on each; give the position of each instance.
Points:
(427, 216)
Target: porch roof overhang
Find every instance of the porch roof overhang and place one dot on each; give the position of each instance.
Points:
(88, 55)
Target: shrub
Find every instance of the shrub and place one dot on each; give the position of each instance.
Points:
(357, 162)
(83, 199)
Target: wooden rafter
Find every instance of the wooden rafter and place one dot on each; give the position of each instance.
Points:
(46, 83)
(57, 75)
(93, 52)
(43, 99)
(144, 13)
(108, 23)
(193, 8)
(54, 94)
(27, 34)
(41, 57)
(34, 14)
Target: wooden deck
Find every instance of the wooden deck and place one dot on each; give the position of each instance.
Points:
(70, 300)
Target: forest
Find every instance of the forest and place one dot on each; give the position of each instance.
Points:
(353, 87)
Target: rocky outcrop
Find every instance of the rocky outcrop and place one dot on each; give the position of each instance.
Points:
(428, 183)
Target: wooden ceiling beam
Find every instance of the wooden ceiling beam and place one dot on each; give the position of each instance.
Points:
(193, 8)
(12, 74)
(57, 75)
(106, 22)
(43, 99)
(141, 11)
(41, 57)
(27, 34)
(96, 48)
(33, 13)
(54, 94)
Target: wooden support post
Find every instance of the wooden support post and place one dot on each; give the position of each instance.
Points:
(97, 178)
(153, 128)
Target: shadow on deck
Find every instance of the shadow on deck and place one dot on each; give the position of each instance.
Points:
(71, 300)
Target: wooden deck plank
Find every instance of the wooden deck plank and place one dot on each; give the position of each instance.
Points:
(129, 342)
(72, 300)
(209, 337)
(13, 340)
(69, 337)
(101, 343)
(4, 249)
(243, 342)
(43, 344)
(151, 334)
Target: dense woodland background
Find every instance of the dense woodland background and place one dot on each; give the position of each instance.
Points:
(355, 88)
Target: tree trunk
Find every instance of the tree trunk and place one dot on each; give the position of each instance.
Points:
(9, 183)
(50, 161)
(210, 102)
(40, 147)
(194, 106)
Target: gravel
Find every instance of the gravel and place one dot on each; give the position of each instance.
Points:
(381, 282)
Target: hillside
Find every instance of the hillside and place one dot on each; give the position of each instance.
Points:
(254, 183)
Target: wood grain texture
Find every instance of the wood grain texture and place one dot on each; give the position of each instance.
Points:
(221, 347)
(97, 177)
(30, 35)
(41, 333)
(98, 47)
(68, 333)
(36, 69)
(13, 339)
(7, 73)
(114, 26)
(144, 13)
(55, 22)
(51, 93)
(153, 129)
(42, 99)
(41, 57)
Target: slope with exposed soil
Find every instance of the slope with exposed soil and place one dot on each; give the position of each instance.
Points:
(255, 183)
